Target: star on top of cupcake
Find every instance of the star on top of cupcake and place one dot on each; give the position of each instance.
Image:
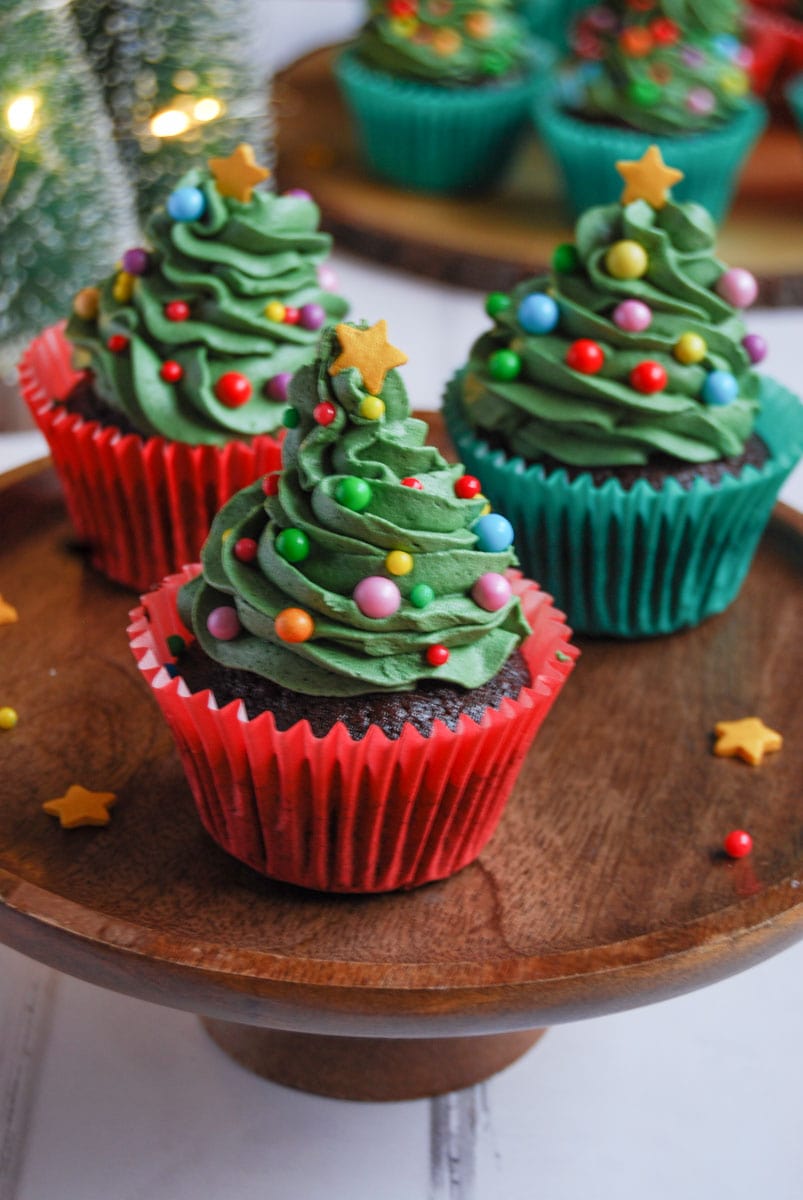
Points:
(236, 175)
(369, 351)
(648, 178)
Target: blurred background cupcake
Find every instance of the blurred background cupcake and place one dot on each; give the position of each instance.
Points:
(440, 91)
(615, 418)
(675, 74)
(552, 20)
(164, 394)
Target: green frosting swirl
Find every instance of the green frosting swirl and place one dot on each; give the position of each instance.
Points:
(350, 653)
(686, 83)
(450, 43)
(227, 266)
(588, 420)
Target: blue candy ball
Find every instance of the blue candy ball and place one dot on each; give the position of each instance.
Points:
(186, 204)
(538, 313)
(494, 533)
(720, 387)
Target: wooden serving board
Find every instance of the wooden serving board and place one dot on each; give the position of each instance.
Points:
(603, 888)
(492, 241)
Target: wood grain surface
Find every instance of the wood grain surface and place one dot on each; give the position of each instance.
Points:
(493, 241)
(603, 887)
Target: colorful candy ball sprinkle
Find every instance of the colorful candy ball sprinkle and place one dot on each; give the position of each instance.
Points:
(565, 258)
(171, 371)
(277, 387)
(690, 348)
(633, 316)
(117, 343)
(327, 277)
(492, 591)
(311, 316)
(223, 623)
(755, 346)
(504, 365)
(353, 493)
(399, 562)
(437, 655)
(626, 260)
(324, 413)
(377, 597)
(496, 303)
(421, 595)
(372, 408)
(294, 625)
(720, 388)
(585, 356)
(274, 310)
(494, 533)
(8, 717)
(292, 315)
(291, 418)
(538, 313)
(136, 261)
(738, 287)
(86, 303)
(467, 487)
(233, 389)
(411, 482)
(738, 843)
(292, 545)
(177, 310)
(270, 484)
(648, 377)
(186, 204)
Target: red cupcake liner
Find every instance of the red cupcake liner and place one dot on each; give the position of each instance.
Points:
(339, 815)
(144, 506)
(776, 41)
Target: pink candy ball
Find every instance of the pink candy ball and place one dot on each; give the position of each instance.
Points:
(327, 277)
(738, 287)
(633, 316)
(491, 591)
(223, 623)
(377, 597)
(700, 101)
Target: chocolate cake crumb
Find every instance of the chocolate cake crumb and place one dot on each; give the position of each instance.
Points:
(391, 711)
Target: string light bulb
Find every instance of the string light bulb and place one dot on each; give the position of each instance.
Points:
(207, 109)
(170, 122)
(22, 114)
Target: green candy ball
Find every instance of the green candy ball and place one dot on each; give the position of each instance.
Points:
(292, 545)
(504, 365)
(353, 493)
(421, 595)
(565, 258)
(496, 303)
(291, 418)
(644, 93)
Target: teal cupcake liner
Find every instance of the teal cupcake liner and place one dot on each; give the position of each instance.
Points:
(552, 19)
(438, 139)
(638, 562)
(585, 153)
(794, 94)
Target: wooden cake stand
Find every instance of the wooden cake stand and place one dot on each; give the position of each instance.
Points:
(603, 888)
(492, 241)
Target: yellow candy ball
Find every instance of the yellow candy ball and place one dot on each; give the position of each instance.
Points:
(123, 288)
(274, 311)
(372, 408)
(487, 507)
(734, 82)
(626, 260)
(226, 534)
(86, 303)
(404, 26)
(81, 359)
(399, 562)
(8, 718)
(690, 348)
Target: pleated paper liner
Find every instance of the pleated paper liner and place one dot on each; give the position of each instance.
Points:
(342, 815)
(794, 94)
(439, 139)
(585, 154)
(143, 506)
(644, 561)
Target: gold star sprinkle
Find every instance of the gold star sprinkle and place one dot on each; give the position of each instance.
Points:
(648, 179)
(79, 806)
(8, 613)
(748, 738)
(370, 352)
(236, 175)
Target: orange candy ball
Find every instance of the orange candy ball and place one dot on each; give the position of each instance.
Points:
(635, 41)
(294, 625)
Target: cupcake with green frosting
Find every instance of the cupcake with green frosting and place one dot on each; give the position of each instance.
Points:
(615, 416)
(674, 73)
(378, 666)
(440, 90)
(179, 363)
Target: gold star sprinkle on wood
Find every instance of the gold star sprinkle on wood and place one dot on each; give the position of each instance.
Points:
(748, 738)
(648, 179)
(79, 806)
(236, 175)
(8, 613)
(370, 352)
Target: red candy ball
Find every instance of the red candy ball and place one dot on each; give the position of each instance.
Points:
(585, 356)
(648, 377)
(437, 655)
(467, 487)
(738, 843)
(291, 316)
(117, 343)
(665, 31)
(325, 412)
(270, 484)
(171, 371)
(245, 549)
(233, 389)
(412, 482)
(402, 8)
(177, 310)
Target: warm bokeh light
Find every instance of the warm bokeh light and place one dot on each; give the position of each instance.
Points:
(21, 114)
(207, 109)
(170, 122)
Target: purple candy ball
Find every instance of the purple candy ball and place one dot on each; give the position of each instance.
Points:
(298, 194)
(311, 316)
(136, 261)
(755, 346)
(738, 287)
(276, 388)
(377, 597)
(223, 623)
(633, 316)
(692, 57)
